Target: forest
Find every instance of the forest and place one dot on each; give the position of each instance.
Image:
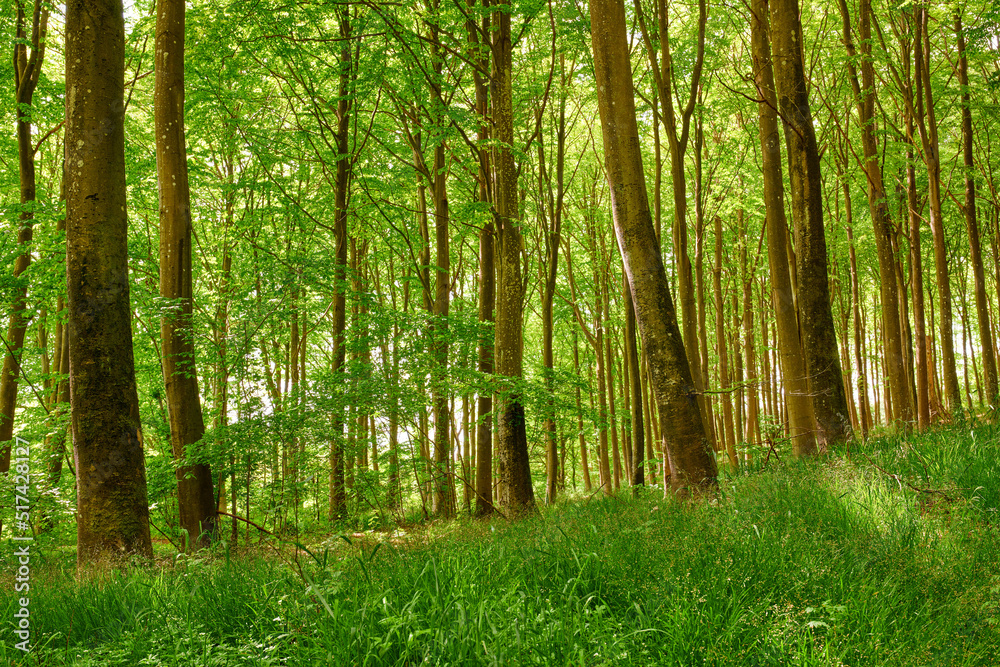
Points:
(466, 332)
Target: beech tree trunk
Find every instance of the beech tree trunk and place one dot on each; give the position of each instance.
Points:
(927, 124)
(819, 343)
(112, 508)
(662, 67)
(515, 490)
(195, 490)
(635, 390)
(726, 433)
(801, 425)
(487, 277)
(972, 226)
(865, 101)
(690, 455)
(27, 67)
(338, 490)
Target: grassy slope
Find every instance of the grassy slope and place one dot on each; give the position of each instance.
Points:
(795, 564)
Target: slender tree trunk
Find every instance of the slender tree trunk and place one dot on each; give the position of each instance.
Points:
(195, 491)
(600, 321)
(727, 434)
(27, 68)
(972, 226)
(635, 389)
(444, 501)
(749, 348)
(553, 232)
(865, 101)
(338, 492)
(609, 370)
(587, 485)
(512, 442)
(927, 124)
(819, 343)
(690, 455)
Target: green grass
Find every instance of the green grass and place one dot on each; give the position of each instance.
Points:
(889, 557)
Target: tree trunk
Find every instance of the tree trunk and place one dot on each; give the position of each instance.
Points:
(512, 441)
(819, 343)
(727, 434)
(865, 101)
(749, 348)
(975, 249)
(552, 235)
(635, 389)
(927, 124)
(112, 507)
(690, 455)
(338, 491)
(196, 502)
(664, 77)
(587, 485)
(27, 68)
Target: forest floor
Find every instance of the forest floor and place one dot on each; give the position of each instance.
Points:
(886, 553)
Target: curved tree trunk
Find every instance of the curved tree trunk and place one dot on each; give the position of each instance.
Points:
(692, 461)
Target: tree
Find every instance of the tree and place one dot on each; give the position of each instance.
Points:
(514, 469)
(27, 68)
(692, 461)
(112, 511)
(971, 223)
(819, 343)
(195, 492)
(865, 99)
(800, 418)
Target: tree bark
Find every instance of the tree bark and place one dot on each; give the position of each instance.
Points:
(690, 455)
(338, 491)
(975, 248)
(819, 342)
(664, 77)
(727, 433)
(927, 125)
(112, 508)
(195, 491)
(865, 101)
(515, 490)
(27, 68)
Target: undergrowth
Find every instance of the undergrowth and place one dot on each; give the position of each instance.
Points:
(886, 553)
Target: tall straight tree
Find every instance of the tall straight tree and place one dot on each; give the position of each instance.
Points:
(487, 277)
(690, 455)
(514, 481)
(27, 67)
(926, 120)
(971, 224)
(195, 492)
(819, 342)
(865, 99)
(338, 490)
(112, 509)
(801, 425)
